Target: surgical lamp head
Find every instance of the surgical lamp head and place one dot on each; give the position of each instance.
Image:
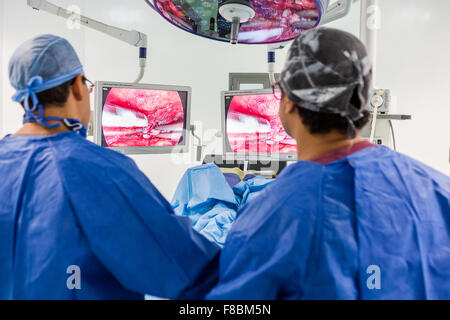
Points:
(236, 12)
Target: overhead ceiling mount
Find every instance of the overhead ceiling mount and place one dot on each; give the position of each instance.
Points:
(236, 12)
(237, 9)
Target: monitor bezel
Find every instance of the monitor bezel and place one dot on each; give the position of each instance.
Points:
(251, 155)
(98, 113)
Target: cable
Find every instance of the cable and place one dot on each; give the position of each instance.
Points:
(393, 135)
(142, 63)
(192, 129)
(271, 65)
(200, 146)
(374, 124)
(140, 76)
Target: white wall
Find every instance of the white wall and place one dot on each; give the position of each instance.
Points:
(414, 63)
(413, 49)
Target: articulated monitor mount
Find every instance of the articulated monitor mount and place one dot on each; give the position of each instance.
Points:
(134, 38)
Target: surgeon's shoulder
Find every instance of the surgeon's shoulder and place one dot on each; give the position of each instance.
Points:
(421, 169)
(383, 158)
(296, 181)
(85, 154)
(288, 197)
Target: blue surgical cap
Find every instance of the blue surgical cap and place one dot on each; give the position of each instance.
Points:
(38, 65)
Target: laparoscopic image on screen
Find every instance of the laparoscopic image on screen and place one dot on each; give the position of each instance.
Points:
(143, 118)
(253, 125)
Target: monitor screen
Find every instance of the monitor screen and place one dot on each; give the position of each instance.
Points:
(142, 117)
(253, 125)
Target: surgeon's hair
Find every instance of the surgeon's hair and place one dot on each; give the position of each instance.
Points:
(55, 96)
(323, 123)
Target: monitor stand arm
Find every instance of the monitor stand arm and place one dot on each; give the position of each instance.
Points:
(134, 38)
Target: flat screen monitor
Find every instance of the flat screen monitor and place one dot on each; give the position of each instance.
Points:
(252, 126)
(142, 118)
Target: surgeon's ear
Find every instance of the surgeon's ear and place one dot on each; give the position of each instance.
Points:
(78, 88)
(289, 106)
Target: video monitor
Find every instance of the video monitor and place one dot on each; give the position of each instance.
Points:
(252, 126)
(141, 118)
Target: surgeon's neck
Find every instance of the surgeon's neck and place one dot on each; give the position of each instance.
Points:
(35, 129)
(313, 146)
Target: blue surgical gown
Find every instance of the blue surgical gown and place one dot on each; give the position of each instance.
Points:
(206, 197)
(66, 202)
(374, 225)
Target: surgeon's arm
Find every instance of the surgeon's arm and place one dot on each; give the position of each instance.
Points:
(132, 230)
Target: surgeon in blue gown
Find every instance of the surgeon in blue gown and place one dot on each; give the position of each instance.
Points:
(349, 220)
(78, 221)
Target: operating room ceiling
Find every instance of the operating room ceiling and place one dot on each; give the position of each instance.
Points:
(275, 20)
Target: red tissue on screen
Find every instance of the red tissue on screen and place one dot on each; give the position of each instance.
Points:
(142, 118)
(254, 125)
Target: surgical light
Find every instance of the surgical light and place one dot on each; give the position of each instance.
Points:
(243, 21)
